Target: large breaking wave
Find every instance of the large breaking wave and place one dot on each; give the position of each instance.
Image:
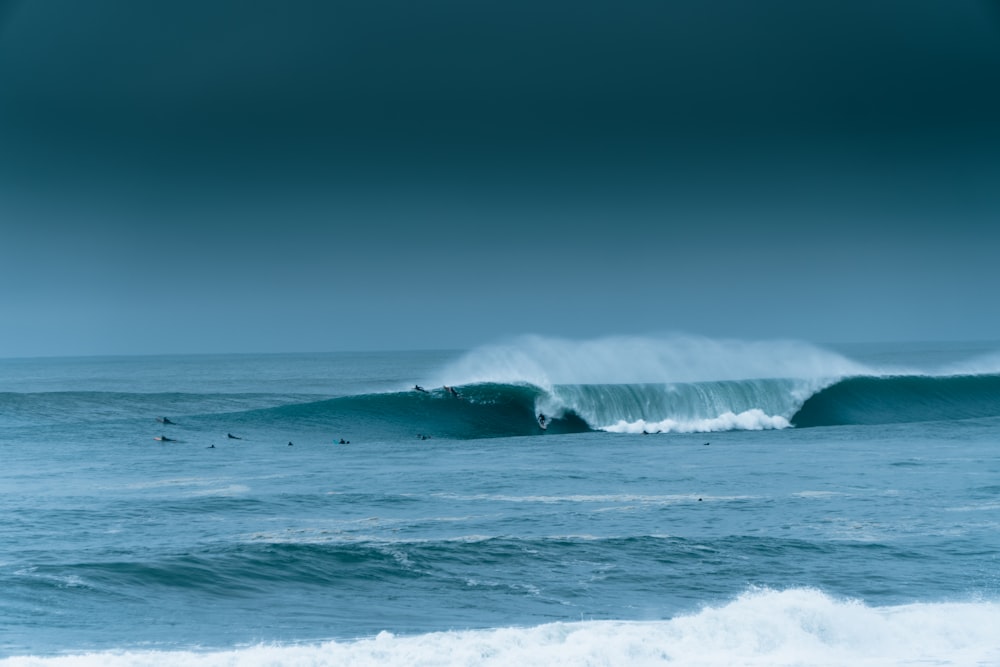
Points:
(676, 384)
(690, 384)
(502, 410)
(535, 385)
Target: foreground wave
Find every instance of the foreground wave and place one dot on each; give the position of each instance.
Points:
(762, 627)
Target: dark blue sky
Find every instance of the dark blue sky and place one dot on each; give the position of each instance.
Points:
(318, 175)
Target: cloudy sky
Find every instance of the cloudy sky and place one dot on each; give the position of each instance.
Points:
(312, 175)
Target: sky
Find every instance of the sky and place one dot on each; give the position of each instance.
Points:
(321, 175)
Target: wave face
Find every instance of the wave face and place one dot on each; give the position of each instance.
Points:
(901, 399)
(484, 410)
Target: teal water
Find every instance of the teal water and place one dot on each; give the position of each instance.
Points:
(778, 508)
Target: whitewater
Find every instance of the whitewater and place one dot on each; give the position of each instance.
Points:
(630, 500)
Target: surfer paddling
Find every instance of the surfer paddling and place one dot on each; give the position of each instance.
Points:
(163, 438)
(233, 437)
(164, 420)
(451, 390)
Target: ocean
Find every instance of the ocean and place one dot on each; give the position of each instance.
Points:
(623, 501)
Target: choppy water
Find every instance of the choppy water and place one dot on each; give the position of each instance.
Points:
(688, 502)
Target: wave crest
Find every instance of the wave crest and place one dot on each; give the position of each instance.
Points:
(546, 362)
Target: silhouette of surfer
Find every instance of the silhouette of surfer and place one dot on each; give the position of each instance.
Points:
(233, 437)
(417, 387)
(345, 442)
(163, 438)
(289, 443)
(541, 419)
(212, 446)
(451, 390)
(163, 420)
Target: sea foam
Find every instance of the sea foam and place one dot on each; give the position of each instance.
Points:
(748, 420)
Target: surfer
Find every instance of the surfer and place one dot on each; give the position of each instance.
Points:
(163, 438)
(289, 443)
(233, 437)
(212, 446)
(417, 387)
(541, 419)
(451, 390)
(345, 442)
(163, 420)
